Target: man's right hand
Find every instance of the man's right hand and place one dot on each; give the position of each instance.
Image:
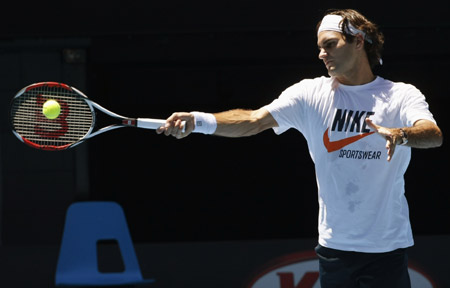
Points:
(176, 127)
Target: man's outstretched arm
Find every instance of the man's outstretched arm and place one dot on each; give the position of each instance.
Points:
(232, 123)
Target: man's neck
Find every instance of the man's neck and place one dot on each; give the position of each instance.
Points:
(357, 79)
(360, 75)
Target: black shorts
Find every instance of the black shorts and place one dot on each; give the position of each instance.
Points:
(344, 269)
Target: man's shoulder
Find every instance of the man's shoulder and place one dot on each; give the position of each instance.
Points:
(394, 85)
(319, 80)
(313, 83)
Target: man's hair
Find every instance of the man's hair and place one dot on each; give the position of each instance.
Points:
(374, 49)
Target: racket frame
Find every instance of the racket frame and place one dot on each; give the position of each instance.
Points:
(147, 123)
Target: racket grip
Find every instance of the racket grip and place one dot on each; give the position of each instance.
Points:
(154, 124)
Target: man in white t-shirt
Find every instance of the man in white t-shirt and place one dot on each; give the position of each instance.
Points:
(364, 223)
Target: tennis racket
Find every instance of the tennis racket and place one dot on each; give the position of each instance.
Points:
(75, 123)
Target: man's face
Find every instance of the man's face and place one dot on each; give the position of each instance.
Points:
(337, 55)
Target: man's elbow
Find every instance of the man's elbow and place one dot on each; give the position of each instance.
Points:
(263, 120)
(439, 137)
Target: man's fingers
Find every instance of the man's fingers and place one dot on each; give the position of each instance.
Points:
(390, 146)
(387, 134)
(178, 125)
(168, 128)
(371, 124)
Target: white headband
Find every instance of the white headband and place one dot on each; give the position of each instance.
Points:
(334, 23)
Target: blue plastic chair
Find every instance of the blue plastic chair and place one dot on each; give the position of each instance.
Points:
(86, 224)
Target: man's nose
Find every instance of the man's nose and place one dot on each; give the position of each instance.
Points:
(322, 53)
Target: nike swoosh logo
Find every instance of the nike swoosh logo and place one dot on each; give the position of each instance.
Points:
(339, 144)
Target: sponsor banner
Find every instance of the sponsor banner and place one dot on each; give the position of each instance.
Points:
(301, 270)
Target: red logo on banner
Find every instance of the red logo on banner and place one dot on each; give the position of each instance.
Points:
(301, 270)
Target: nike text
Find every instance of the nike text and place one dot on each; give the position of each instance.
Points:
(352, 121)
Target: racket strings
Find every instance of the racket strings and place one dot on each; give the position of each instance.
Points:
(73, 123)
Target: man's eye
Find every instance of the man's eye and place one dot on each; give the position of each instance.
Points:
(329, 45)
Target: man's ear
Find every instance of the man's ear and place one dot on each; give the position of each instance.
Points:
(359, 41)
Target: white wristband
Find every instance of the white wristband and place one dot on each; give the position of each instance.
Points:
(204, 122)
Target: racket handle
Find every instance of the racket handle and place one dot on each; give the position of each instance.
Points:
(149, 123)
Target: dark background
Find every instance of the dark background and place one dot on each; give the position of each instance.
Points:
(151, 58)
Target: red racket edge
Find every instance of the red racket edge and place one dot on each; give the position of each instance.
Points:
(46, 147)
(49, 84)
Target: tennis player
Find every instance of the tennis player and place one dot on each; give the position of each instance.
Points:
(360, 129)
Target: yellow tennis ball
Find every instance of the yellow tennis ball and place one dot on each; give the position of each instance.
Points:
(51, 109)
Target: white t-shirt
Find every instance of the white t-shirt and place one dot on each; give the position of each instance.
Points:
(362, 206)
